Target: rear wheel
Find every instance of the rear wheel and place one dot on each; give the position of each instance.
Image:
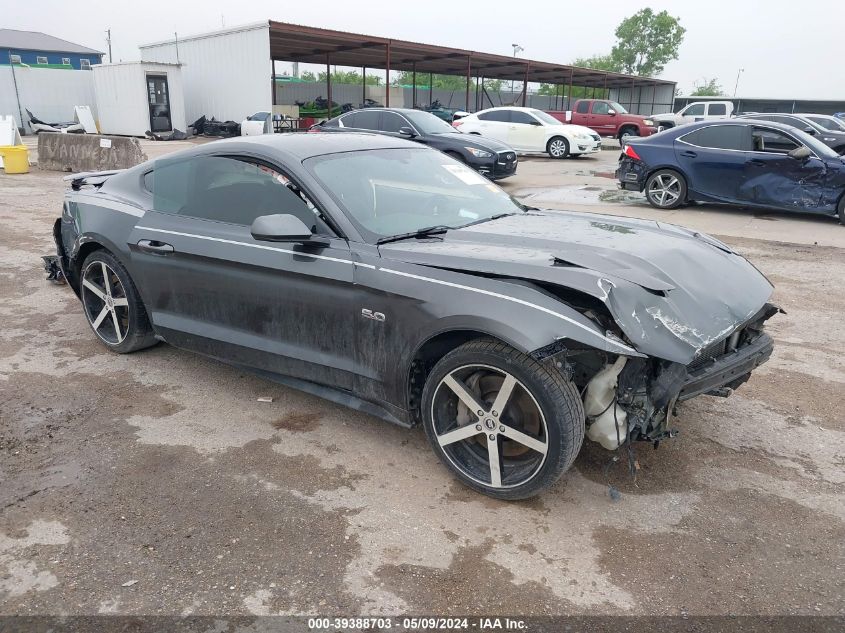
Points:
(112, 304)
(840, 210)
(503, 423)
(558, 147)
(666, 189)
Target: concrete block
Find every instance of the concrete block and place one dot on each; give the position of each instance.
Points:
(87, 152)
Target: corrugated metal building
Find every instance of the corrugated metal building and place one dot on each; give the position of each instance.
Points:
(226, 74)
(44, 74)
(34, 48)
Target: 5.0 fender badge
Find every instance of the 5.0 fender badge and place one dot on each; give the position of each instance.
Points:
(375, 316)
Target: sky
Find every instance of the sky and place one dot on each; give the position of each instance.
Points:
(787, 49)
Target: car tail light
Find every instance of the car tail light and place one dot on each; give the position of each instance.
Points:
(631, 153)
(457, 123)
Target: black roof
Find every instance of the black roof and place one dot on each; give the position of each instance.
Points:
(299, 145)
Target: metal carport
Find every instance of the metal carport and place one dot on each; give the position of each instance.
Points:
(305, 44)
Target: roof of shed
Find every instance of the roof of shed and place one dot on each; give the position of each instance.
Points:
(37, 41)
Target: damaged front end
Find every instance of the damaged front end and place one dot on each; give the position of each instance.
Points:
(634, 398)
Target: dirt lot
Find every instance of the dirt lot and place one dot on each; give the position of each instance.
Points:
(162, 468)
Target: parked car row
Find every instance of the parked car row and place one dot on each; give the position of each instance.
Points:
(488, 156)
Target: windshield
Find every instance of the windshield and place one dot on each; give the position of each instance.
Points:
(830, 124)
(427, 123)
(618, 107)
(387, 192)
(545, 117)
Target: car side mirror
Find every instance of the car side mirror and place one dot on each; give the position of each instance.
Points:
(407, 131)
(611, 112)
(810, 130)
(800, 153)
(280, 227)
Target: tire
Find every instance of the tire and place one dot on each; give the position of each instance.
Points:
(628, 131)
(840, 210)
(666, 189)
(557, 147)
(543, 409)
(114, 309)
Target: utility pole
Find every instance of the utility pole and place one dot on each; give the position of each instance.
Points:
(516, 49)
(108, 40)
(176, 42)
(736, 85)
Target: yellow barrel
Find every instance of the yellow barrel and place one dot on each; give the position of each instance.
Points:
(15, 158)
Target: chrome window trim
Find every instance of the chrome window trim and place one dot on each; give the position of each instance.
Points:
(680, 139)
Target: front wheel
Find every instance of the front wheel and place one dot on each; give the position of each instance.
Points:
(558, 147)
(628, 132)
(502, 422)
(666, 189)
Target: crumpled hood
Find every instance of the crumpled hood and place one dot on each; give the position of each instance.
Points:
(671, 291)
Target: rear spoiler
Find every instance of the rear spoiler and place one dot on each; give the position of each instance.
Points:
(90, 178)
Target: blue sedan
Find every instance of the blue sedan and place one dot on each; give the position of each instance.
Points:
(736, 161)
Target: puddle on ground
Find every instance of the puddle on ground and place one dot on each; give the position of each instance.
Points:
(579, 194)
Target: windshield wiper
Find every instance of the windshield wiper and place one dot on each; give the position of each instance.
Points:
(424, 232)
(492, 217)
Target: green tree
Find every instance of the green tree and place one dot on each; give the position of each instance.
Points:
(599, 62)
(708, 89)
(341, 77)
(646, 42)
(446, 82)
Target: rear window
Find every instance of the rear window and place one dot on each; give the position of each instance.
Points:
(719, 137)
(366, 119)
(583, 107)
(496, 115)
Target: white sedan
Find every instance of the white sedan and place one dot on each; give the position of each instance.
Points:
(531, 130)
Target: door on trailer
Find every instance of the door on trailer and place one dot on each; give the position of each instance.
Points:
(158, 96)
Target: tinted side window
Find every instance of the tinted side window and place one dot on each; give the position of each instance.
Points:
(772, 141)
(601, 107)
(225, 190)
(391, 122)
(695, 110)
(583, 107)
(347, 120)
(719, 137)
(366, 120)
(797, 123)
(496, 115)
(522, 117)
(717, 109)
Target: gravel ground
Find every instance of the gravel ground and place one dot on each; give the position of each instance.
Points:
(156, 483)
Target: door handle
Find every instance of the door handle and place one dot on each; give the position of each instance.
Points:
(689, 154)
(155, 247)
(757, 162)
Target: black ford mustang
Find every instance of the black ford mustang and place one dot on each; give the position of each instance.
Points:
(386, 276)
(487, 156)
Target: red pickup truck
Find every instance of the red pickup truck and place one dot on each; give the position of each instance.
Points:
(608, 118)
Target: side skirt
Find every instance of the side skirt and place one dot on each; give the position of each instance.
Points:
(338, 396)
